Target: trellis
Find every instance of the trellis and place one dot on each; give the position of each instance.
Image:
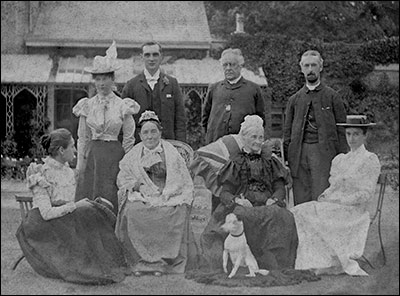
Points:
(10, 91)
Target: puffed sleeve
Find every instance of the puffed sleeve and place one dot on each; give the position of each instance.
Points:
(357, 189)
(81, 108)
(128, 108)
(362, 188)
(41, 190)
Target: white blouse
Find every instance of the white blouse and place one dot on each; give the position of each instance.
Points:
(53, 187)
(101, 118)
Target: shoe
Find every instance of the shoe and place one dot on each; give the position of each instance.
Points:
(137, 273)
(157, 273)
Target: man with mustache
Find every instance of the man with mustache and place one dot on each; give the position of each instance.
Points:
(228, 101)
(311, 137)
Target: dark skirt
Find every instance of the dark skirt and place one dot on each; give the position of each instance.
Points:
(270, 232)
(80, 247)
(99, 176)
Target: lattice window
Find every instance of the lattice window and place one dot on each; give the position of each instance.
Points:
(200, 90)
(10, 91)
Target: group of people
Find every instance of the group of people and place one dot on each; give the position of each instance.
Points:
(128, 209)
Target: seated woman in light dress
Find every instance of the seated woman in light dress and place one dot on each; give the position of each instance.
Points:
(333, 230)
(60, 238)
(155, 195)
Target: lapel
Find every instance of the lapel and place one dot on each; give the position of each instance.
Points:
(143, 82)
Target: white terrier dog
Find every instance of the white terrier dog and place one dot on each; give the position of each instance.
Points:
(237, 249)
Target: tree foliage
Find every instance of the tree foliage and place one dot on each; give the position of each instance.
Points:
(347, 21)
(352, 37)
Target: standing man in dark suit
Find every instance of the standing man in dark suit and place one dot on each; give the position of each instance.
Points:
(311, 137)
(154, 90)
(230, 100)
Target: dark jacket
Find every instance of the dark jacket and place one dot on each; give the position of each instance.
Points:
(328, 109)
(170, 110)
(226, 105)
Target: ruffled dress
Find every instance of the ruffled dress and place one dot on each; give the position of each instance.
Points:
(101, 120)
(60, 240)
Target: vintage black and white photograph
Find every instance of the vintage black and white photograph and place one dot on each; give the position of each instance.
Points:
(200, 147)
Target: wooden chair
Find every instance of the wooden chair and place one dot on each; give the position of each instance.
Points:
(276, 145)
(25, 205)
(25, 202)
(277, 150)
(382, 181)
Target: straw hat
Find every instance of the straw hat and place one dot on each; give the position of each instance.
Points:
(107, 64)
(356, 121)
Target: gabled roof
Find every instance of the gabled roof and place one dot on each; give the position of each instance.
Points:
(187, 72)
(175, 24)
(20, 68)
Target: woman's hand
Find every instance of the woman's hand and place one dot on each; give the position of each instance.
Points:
(243, 201)
(146, 190)
(270, 201)
(82, 203)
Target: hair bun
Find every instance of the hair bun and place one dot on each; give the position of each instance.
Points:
(45, 140)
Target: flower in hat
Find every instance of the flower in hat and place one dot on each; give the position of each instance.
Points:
(106, 64)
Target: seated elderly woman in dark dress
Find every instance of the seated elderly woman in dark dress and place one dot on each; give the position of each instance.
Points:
(250, 183)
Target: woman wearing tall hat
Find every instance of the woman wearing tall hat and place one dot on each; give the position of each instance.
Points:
(333, 230)
(101, 119)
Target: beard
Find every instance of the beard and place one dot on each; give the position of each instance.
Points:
(312, 78)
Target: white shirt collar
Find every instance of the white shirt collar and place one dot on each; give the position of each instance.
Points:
(151, 77)
(312, 87)
(235, 80)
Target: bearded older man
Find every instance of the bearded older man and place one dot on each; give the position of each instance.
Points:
(311, 137)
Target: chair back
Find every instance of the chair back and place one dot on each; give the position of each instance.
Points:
(184, 150)
(25, 204)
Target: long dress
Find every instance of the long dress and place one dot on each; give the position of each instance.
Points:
(155, 194)
(270, 230)
(333, 230)
(60, 240)
(101, 119)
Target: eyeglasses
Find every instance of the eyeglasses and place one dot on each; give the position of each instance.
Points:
(149, 54)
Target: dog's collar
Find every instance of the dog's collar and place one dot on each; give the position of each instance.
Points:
(237, 235)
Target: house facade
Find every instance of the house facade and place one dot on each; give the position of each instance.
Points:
(46, 44)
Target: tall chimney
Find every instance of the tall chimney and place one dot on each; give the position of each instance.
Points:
(239, 23)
